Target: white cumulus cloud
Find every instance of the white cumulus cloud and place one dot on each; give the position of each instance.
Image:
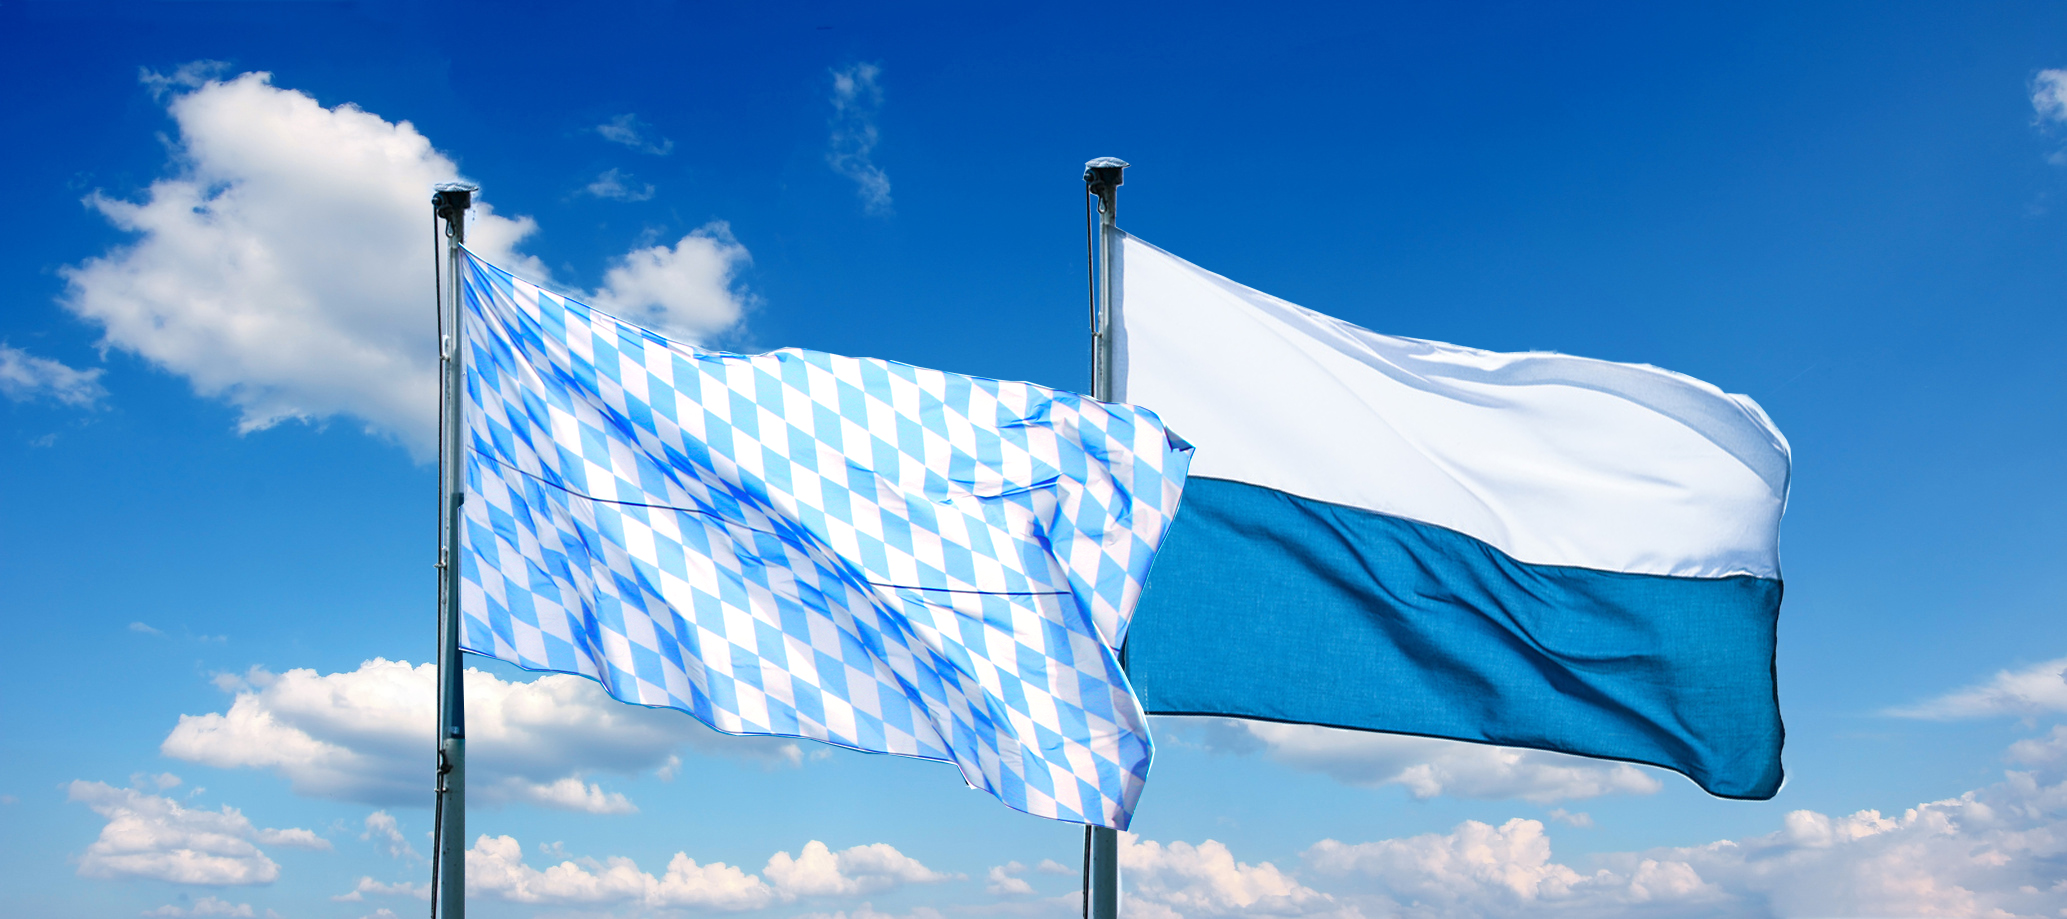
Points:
(685, 290)
(818, 871)
(207, 906)
(2024, 693)
(386, 832)
(496, 869)
(568, 793)
(1479, 869)
(1005, 880)
(285, 264)
(25, 377)
(368, 885)
(868, 911)
(857, 99)
(1425, 766)
(293, 839)
(1993, 852)
(148, 836)
(1168, 881)
(360, 736)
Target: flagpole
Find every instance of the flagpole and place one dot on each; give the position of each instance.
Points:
(1102, 178)
(450, 203)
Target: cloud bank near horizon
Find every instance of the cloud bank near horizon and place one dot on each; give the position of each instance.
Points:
(360, 736)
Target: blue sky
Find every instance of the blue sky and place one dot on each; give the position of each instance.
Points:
(217, 539)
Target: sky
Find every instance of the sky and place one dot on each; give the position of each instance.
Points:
(217, 393)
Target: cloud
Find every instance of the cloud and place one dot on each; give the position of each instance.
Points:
(360, 735)
(1425, 766)
(147, 630)
(630, 131)
(1051, 866)
(685, 290)
(285, 267)
(148, 836)
(207, 906)
(496, 869)
(868, 911)
(567, 793)
(368, 885)
(293, 839)
(1994, 851)
(817, 871)
(2023, 693)
(190, 75)
(857, 99)
(159, 782)
(2047, 752)
(1479, 869)
(1004, 880)
(285, 264)
(614, 185)
(25, 377)
(2049, 95)
(386, 832)
(1180, 879)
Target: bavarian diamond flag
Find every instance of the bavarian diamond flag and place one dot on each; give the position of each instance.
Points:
(854, 551)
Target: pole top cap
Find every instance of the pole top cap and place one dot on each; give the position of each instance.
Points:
(1102, 178)
(1105, 170)
(449, 198)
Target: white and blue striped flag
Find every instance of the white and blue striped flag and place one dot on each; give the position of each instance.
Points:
(854, 551)
(1382, 533)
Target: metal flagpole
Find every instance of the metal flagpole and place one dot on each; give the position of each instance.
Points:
(1102, 178)
(450, 202)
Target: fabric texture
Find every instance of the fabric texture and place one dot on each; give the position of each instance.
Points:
(1389, 534)
(854, 551)
(1270, 606)
(1552, 459)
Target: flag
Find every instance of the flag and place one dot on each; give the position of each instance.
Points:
(1381, 533)
(854, 551)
